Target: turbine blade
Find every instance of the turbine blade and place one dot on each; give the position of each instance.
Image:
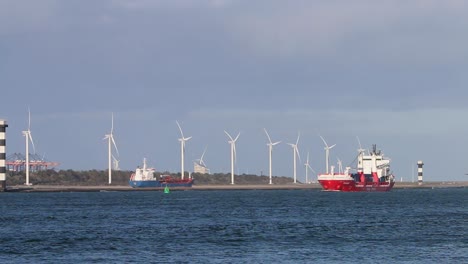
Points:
(228, 135)
(297, 151)
(323, 141)
(269, 139)
(331, 146)
(115, 145)
(29, 119)
(186, 139)
(181, 133)
(112, 122)
(298, 136)
(234, 150)
(32, 142)
(201, 159)
(276, 143)
(237, 137)
(311, 168)
(359, 142)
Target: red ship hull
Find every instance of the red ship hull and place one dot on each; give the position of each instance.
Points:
(352, 186)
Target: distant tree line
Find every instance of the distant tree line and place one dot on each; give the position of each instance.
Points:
(120, 178)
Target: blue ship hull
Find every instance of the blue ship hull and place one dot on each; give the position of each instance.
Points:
(156, 184)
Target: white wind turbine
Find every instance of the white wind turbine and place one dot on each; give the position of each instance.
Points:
(115, 163)
(295, 151)
(327, 153)
(27, 135)
(201, 163)
(232, 142)
(111, 141)
(340, 166)
(307, 168)
(182, 150)
(360, 151)
(270, 149)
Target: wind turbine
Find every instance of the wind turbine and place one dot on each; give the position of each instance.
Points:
(340, 165)
(327, 152)
(295, 151)
(201, 163)
(201, 158)
(307, 168)
(116, 163)
(360, 150)
(182, 150)
(232, 142)
(270, 149)
(27, 135)
(111, 141)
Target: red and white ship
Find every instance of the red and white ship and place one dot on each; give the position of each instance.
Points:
(373, 174)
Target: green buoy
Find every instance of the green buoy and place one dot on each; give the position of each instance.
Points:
(166, 189)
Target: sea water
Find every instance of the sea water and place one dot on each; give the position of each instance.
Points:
(256, 226)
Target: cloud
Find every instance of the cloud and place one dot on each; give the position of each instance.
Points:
(379, 121)
(383, 31)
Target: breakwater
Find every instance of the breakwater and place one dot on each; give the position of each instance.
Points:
(109, 188)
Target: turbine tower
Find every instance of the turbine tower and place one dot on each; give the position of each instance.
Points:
(307, 168)
(295, 151)
(28, 137)
(232, 142)
(182, 150)
(270, 149)
(327, 153)
(110, 142)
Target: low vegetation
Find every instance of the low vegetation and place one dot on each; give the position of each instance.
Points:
(120, 178)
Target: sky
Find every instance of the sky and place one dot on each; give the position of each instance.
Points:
(391, 73)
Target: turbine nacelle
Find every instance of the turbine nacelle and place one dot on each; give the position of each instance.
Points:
(273, 144)
(329, 147)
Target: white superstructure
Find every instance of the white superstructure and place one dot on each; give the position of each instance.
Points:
(374, 162)
(144, 174)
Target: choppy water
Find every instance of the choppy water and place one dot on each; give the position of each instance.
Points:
(296, 226)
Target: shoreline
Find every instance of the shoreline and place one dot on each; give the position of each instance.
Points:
(291, 186)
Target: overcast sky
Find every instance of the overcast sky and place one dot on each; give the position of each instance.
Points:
(393, 73)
